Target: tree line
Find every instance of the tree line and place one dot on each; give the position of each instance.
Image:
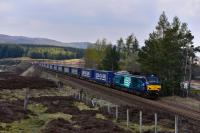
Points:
(39, 51)
(168, 52)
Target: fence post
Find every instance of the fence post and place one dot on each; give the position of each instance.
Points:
(140, 121)
(127, 113)
(85, 98)
(176, 124)
(108, 108)
(116, 113)
(26, 99)
(76, 96)
(156, 122)
(92, 101)
(82, 97)
(79, 95)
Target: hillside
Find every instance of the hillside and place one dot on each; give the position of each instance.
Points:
(40, 41)
(39, 51)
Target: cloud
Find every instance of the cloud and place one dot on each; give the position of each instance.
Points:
(88, 20)
(187, 8)
(6, 7)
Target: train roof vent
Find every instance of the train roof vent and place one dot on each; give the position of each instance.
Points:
(122, 72)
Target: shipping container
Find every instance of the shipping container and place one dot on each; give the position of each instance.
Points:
(55, 67)
(51, 66)
(60, 68)
(105, 77)
(67, 70)
(88, 73)
(76, 71)
(48, 66)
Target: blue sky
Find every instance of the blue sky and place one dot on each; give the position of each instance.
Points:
(88, 20)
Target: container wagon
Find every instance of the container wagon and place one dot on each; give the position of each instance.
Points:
(88, 74)
(75, 71)
(104, 77)
(61, 68)
(67, 70)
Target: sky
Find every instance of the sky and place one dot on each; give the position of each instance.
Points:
(89, 20)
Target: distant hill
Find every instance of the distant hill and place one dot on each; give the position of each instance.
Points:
(40, 51)
(40, 41)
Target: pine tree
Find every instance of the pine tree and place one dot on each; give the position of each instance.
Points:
(111, 59)
(120, 45)
(164, 53)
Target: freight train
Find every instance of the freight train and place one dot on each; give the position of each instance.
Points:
(144, 85)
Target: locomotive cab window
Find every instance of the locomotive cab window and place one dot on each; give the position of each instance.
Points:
(139, 83)
(153, 80)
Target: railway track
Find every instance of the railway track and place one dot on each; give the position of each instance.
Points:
(131, 100)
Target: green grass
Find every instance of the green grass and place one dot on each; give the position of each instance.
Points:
(19, 94)
(195, 91)
(12, 95)
(77, 126)
(134, 127)
(100, 116)
(35, 122)
(81, 106)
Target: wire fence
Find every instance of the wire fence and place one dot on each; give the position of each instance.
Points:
(139, 119)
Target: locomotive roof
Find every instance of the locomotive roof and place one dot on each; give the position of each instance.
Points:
(131, 75)
(87, 69)
(104, 71)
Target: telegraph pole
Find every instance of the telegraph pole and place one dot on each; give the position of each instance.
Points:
(186, 61)
(190, 66)
(189, 52)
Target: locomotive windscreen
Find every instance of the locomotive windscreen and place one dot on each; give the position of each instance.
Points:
(153, 80)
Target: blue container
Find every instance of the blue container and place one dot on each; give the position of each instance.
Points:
(76, 71)
(55, 67)
(50, 66)
(105, 77)
(67, 70)
(60, 68)
(45, 65)
(87, 73)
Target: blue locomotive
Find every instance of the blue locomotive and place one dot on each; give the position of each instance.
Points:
(147, 86)
(144, 85)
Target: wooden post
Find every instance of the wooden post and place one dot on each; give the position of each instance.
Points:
(26, 99)
(75, 96)
(79, 95)
(92, 101)
(116, 113)
(82, 96)
(140, 121)
(85, 98)
(108, 108)
(176, 124)
(156, 122)
(127, 113)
